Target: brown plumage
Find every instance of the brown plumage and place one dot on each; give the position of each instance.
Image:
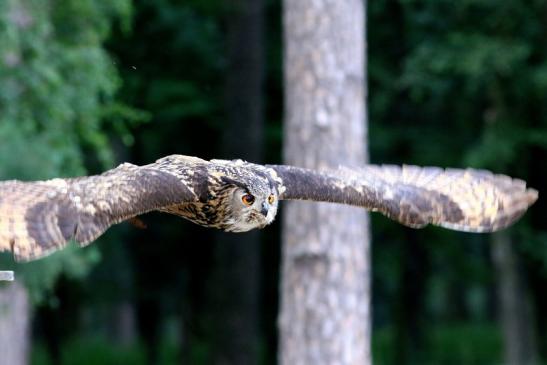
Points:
(37, 218)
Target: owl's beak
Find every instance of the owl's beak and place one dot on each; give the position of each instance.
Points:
(265, 208)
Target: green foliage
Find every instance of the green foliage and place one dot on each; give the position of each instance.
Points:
(457, 84)
(101, 351)
(184, 54)
(93, 351)
(454, 344)
(451, 84)
(58, 89)
(469, 72)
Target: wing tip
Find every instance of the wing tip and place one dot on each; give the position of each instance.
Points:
(25, 250)
(531, 196)
(520, 202)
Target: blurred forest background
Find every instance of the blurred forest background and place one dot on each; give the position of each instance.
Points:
(87, 84)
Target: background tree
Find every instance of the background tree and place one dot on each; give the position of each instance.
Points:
(451, 84)
(324, 291)
(58, 90)
(236, 288)
(493, 70)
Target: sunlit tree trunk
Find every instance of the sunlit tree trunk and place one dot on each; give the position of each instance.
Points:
(325, 291)
(515, 310)
(236, 288)
(14, 324)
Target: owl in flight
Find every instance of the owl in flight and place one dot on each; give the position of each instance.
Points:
(37, 218)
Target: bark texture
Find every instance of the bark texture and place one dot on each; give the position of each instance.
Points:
(238, 255)
(515, 310)
(325, 286)
(14, 324)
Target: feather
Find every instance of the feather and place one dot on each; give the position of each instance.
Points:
(465, 200)
(40, 217)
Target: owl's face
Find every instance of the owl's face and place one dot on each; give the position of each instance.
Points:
(252, 207)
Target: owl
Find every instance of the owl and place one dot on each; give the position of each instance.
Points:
(40, 217)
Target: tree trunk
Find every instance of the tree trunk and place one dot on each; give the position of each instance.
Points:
(515, 310)
(122, 327)
(14, 324)
(238, 255)
(325, 290)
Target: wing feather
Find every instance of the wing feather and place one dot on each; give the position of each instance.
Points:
(465, 200)
(37, 218)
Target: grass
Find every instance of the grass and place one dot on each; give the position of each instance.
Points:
(457, 344)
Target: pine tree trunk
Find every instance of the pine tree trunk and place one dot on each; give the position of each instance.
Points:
(122, 324)
(515, 309)
(14, 324)
(237, 278)
(325, 304)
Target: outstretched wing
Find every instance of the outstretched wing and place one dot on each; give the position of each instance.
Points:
(464, 200)
(37, 218)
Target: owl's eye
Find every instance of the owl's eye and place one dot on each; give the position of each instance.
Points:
(248, 199)
(271, 199)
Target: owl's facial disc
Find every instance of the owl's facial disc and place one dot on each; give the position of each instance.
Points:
(252, 209)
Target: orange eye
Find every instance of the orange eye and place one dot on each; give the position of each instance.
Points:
(248, 199)
(271, 199)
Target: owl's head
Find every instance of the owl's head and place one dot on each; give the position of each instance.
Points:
(252, 207)
(252, 202)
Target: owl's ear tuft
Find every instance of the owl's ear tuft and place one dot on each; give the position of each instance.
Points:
(229, 181)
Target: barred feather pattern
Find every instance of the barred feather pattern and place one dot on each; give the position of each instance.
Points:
(461, 199)
(37, 218)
